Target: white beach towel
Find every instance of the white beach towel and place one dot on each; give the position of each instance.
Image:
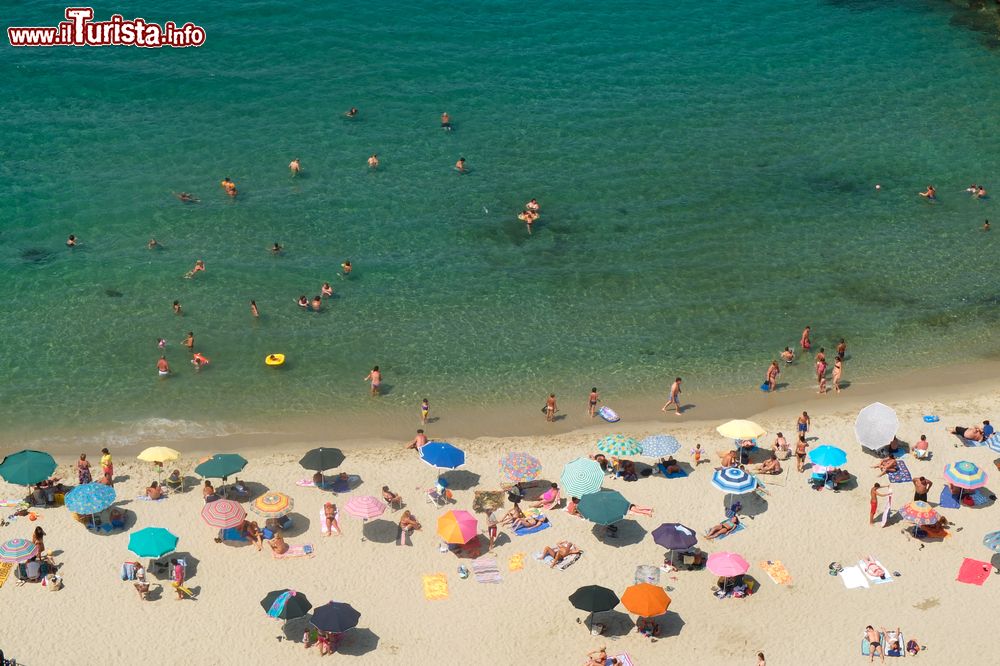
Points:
(853, 577)
(875, 579)
(322, 520)
(888, 509)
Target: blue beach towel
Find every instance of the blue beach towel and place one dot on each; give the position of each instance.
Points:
(738, 528)
(979, 498)
(531, 530)
(676, 475)
(947, 501)
(233, 534)
(902, 475)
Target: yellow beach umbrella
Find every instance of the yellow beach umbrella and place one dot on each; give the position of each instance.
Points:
(740, 429)
(159, 454)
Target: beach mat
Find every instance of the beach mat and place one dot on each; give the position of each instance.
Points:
(947, 500)
(567, 562)
(875, 580)
(776, 571)
(233, 534)
(516, 562)
(676, 475)
(305, 550)
(647, 573)
(979, 498)
(402, 537)
(902, 475)
(5, 568)
(624, 659)
(531, 530)
(485, 501)
(853, 577)
(486, 570)
(435, 587)
(738, 528)
(145, 498)
(973, 572)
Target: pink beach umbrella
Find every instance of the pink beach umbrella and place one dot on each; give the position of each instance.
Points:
(365, 507)
(727, 564)
(223, 514)
(457, 527)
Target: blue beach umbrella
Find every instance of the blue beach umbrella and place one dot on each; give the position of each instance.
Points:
(581, 477)
(992, 541)
(659, 446)
(152, 542)
(442, 455)
(828, 456)
(993, 441)
(90, 498)
(733, 480)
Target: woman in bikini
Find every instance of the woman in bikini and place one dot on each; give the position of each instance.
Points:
(252, 532)
(838, 370)
(330, 518)
(83, 469)
(725, 527)
(800, 451)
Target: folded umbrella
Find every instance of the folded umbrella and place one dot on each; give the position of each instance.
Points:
(152, 542)
(285, 604)
(727, 564)
(335, 617)
(27, 467)
(90, 498)
(581, 477)
(223, 514)
(603, 508)
(646, 600)
(322, 459)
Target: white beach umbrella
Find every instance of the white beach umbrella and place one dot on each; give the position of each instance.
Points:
(876, 426)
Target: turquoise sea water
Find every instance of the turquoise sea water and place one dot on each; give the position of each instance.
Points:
(706, 173)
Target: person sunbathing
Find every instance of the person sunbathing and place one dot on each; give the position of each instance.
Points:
(562, 550)
(895, 649)
(637, 510)
(974, 434)
(392, 499)
(278, 545)
(726, 459)
(208, 492)
(872, 568)
(628, 471)
(550, 498)
(251, 531)
(408, 522)
(725, 527)
(601, 460)
(330, 518)
(770, 466)
(887, 466)
(154, 492)
(175, 480)
(515, 513)
(571, 506)
(836, 476)
(668, 466)
(598, 657)
(874, 643)
(527, 522)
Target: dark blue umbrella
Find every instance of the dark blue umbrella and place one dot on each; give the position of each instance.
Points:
(335, 617)
(442, 455)
(674, 536)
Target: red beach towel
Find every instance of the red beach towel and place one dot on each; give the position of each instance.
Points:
(974, 572)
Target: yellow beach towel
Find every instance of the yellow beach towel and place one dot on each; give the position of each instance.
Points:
(516, 562)
(5, 568)
(435, 587)
(776, 571)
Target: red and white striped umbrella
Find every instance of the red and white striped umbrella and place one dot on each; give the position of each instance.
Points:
(223, 514)
(365, 507)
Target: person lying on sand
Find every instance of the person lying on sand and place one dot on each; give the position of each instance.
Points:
(872, 568)
(974, 434)
(278, 545)
(597, 657)
(515, 513)
(725, 527)
(562, 550)
(875, 643)
(527, 522)
(887, 466)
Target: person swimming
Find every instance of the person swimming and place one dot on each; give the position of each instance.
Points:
(460, 165)
(152, 244)
(327, 290)
(198, 361)
(445, 121)
(981, 192)
(930, 193)
(198, 267)
(276, 249)
(71, 241)
(295, 167)
(528, 217)
(253, 309)
(187, 197)
(352, 112)
(303, 301)
(532, 206)
(373, 161)
(346, 267)
(317, 303)
(229, 186)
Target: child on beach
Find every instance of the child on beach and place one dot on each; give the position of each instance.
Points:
(425, 410)
(696, 454)
(594, 399)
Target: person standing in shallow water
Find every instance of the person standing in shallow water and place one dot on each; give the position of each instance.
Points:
(592, 402)
(550, 407)
(804, 340)
(376, 379)
(675, 397)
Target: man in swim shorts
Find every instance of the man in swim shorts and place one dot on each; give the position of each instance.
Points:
(163, 367)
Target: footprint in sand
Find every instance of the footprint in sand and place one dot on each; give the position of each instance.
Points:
(928, 604)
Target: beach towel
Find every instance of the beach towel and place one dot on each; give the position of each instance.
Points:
(486, 570)
(305, 550)
(516, 562)
(5, 568)
(403, 537)
(531, 530)
(322, 520)
(738, 528)
(776, 571)
(901, 475)
(567, 562)
(875, 579)
(146, 498)
(680, 474)
(888, 509)
(853, 577)
(622, 658)
(973, 572)
(435, 587)
(866, 647)
(647, 573)
(233, 534)
(340, 485)
(485, 501)
(947, 500)
(979, 498)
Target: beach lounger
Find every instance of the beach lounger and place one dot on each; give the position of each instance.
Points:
(440, 498)
(875, 580)
(853, 577)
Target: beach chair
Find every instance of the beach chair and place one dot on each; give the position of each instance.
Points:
(175, 485)
(439, 496)
(238, 492)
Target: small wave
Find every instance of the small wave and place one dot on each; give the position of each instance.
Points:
(152, 430)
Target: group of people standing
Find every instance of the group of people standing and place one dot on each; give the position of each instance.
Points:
(788, 356)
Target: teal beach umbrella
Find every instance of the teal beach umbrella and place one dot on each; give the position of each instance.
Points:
(603, 508)
(152, 542)
(27, 467)
(221, 466)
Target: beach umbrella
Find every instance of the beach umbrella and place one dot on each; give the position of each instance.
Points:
(593, 599)
(221, 466)
(365, 507)
(223, 514)
(270, 505)
(603, 508)
(659, 446)
(993, 441)
(992, 541)
(727, 564)
(17, 551)
(285, 604)
(159, 454)
(322, 459)
(442, 455)
(619, 446)
(733, 480)
(581, 477)
(740, 429)
(516, 467)
(90, 498)
(457, 527)
(646, 600)
(27, 467)
(335, 617)
(152, 542)
(876, 426)
(674, 536)
(828, 456)
(919, 513)
(965, 474)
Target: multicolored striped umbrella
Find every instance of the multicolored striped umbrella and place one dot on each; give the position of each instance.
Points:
(659, 446)
(919, 513)
(442, 455)
(965, 474)
(17, 551)
(272, 505)
(223, 514)
(619, 445)
(992, 541)
(457, 527)
(365, 507)
(646, 600)
(993, 441)
(516, 467)
(90, 498)
(152, 542)
(581, 477)
(727, 564)
(733, 480)
(285, 604)
(604, 508)
(828, 456)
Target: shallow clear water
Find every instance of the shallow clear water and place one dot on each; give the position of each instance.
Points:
(706, 173)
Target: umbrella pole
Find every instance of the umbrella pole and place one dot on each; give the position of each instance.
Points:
(590, 621)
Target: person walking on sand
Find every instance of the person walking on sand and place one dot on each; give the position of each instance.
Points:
(592, 402)
(921, 487)
(675, 397)
(804, 340)
(838, 371)
(802, 425)
(295, 167)
(772, 376)
(550, 407)
(376, 378)
(800, 452)
(491, 527)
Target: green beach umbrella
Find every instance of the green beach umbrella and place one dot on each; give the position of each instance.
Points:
(221, 466)
(152, 542)
(603, 508)
(619, 446)
(27, 467)
(322, 459)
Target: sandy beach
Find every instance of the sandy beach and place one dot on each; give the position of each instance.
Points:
(812, 619)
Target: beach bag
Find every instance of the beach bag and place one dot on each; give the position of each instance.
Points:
(52, 582)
